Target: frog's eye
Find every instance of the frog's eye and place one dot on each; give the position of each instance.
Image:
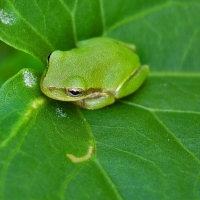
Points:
(48, 58)
(74, 92)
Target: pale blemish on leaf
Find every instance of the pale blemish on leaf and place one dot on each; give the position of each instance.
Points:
(38, 102)
(29, 78)
(6, 18)
(83, 158)
(60, 113)
(34, 105)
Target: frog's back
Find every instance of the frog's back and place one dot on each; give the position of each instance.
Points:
(103, 62)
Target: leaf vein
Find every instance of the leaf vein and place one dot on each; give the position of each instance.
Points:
(187, 50)
(102, 14)
(138, 16)
(68, 179)
(74, 22)
(137, 156)
(158, 110)
(12, 155)
(180, 89)
(65, 7)
(175, 138)
(121, 127)
(114, 188)
(32, 27)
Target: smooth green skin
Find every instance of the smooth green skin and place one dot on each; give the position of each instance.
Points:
(103, 68)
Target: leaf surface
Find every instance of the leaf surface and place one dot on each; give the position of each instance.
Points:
(145, 146)
(133, 146)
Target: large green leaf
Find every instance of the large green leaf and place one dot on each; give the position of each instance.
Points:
(39, 27)
(166, 33)
(145, 146)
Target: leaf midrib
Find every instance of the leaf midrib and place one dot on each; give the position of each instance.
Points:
(146, 12)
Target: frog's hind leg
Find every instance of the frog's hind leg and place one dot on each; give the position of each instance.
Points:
(133, 82)
(127, 45)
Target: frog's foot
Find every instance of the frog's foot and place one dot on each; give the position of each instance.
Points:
(133, 82)
(100, 101)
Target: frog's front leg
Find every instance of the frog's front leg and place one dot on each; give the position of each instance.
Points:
(133, 82)
(100, 101)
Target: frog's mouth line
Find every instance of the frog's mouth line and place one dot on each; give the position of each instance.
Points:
(92, 93)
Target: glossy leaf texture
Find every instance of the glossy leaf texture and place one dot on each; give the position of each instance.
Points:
(166, 33)
(145, 146)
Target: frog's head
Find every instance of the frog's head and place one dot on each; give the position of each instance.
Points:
(58, 83)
